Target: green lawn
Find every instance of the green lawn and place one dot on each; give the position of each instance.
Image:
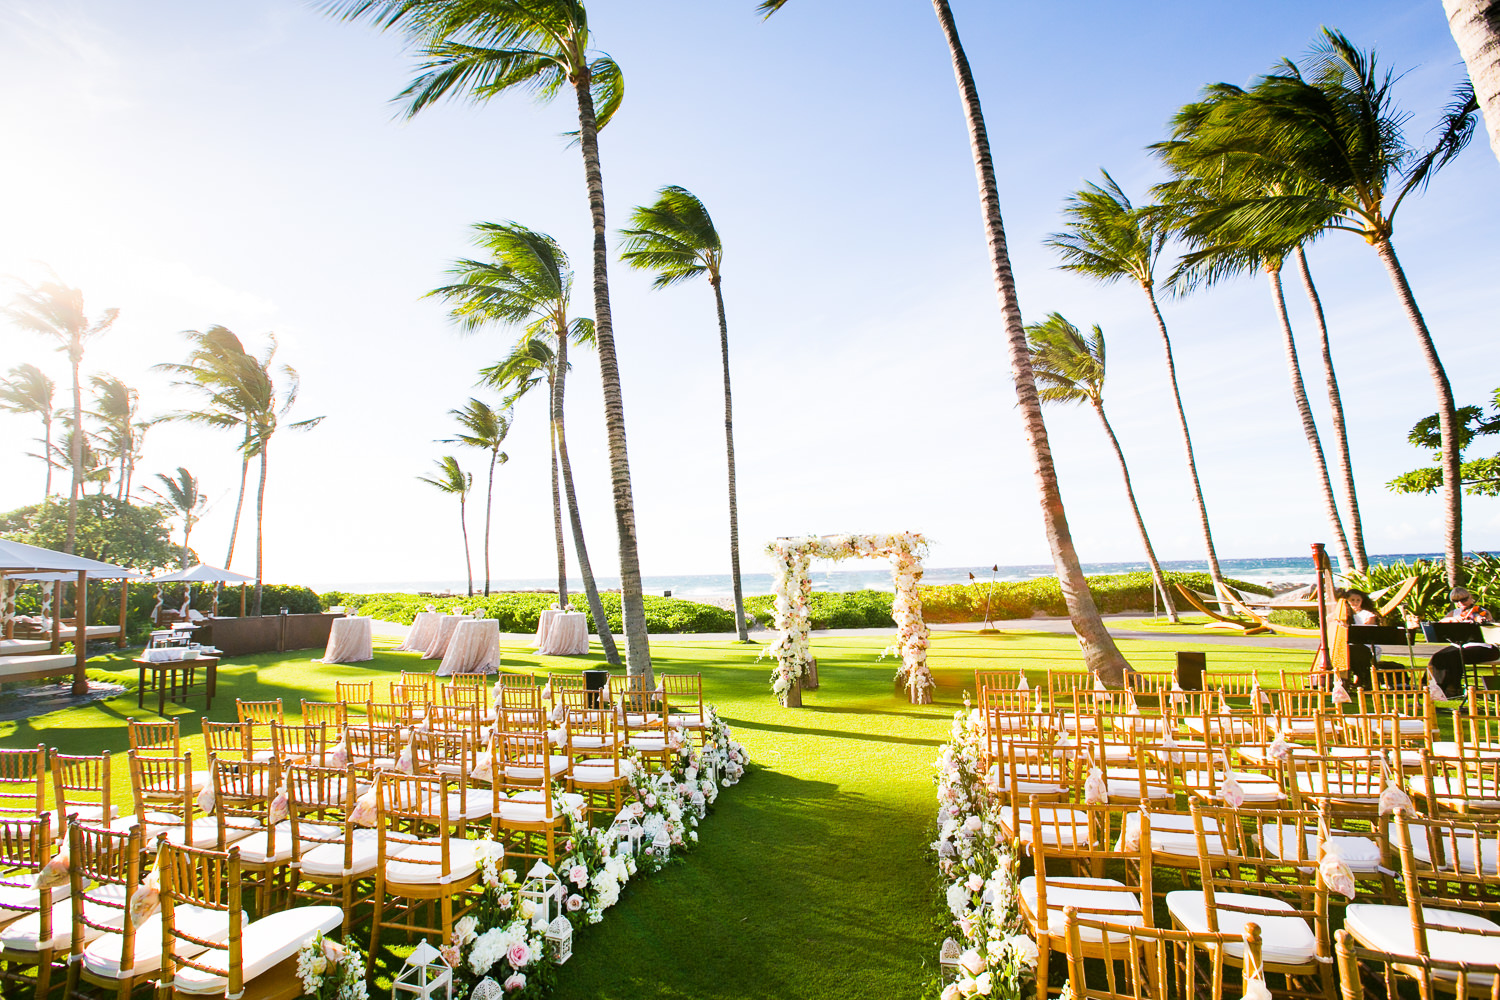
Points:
(813, 877)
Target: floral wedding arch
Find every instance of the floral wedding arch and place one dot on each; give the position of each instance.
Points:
(792, 648)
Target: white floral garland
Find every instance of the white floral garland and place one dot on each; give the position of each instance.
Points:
(792, 589)
(998, 959)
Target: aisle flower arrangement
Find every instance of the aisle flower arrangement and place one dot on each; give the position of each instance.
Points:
(331, 971)
(512, 941)
(979, 865)
(792, 588)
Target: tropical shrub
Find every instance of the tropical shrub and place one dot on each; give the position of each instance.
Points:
(1428, 601)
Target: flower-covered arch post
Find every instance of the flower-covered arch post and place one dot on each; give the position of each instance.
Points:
(793, 587)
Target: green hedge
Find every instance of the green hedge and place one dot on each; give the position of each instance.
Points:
(521, 612)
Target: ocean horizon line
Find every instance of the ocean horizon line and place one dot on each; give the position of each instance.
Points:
(1269, 570)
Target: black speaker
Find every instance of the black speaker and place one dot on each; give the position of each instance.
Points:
(1190, 668)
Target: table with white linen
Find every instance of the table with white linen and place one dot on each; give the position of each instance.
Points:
(474, 648)
(544, 625)
(446, 626)
(423, 630)
(349, 641)
(567, 634)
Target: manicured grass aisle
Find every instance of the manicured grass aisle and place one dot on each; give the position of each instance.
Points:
(813, 877)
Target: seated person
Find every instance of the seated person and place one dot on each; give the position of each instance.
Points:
(1465, 610)
(1446, 668)
(1361, 607)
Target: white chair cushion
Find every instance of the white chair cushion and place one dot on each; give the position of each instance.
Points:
(1060, 827)
(23, 934)
(1345, 788)
(583, 741)
(1389, 929)
(1489, 850)
(18, 899)
(205, 832)
(1257, 787)
(266, 943)
(1451, 793)
(475, 806)
(1172, 833)
(87, 815)
(1361, 854)
(600, 774)
(156, 823)
(1093, 903)
(529, 813)
(530, 769)
(327, 861)
(253, 847)
(1284, 940)
(1146, 724)
(1448, 748)
(648, 744)
(463, 859)
(102, 957)
(1124, 784)
(690, 720)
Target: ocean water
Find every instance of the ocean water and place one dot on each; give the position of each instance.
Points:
(871, 575)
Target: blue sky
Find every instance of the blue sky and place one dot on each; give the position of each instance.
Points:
(241, 164)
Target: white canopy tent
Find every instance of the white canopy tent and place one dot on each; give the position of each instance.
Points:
(20, 562)
(205, 574)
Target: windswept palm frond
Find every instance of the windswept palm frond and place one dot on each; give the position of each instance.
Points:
(674, 237)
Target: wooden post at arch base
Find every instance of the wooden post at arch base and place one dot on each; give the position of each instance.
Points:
(81, 633)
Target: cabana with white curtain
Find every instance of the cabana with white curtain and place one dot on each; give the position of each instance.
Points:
(204, 574)
(22, 659)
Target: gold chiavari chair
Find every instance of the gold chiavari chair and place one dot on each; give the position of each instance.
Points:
(252, 811)
(596, 770)
(1376, 975)
(684, 692)
(334, 856)
(419, 863)
(201, 903)
(36, 932)
(228, 740)
(333, 714)
(112, 950)
(523, 812)
(1150, 963)
(82, 787)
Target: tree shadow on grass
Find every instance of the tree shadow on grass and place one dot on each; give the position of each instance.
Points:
(916, 712)
(798, 889)
(832, 733)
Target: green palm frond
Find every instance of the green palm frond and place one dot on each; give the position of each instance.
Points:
(1068, 368)
(674, 237)
(1109, 238)
(480, 425)
(450, 478)
(182, 494)
(28, 390)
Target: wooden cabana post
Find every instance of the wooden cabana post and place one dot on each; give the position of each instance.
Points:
(81, 640)
(56, 616)
(124, 605)
(242, 600)
(1320, 563)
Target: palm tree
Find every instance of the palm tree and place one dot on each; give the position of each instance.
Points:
(224, 375)
(1353, 521)
(1099, 649)
(529, 364)
(451, 479)
(1476, 28)
(271, 406)
(54, 310)
(676, 239)
(1112, 240)
(1071, 369)
(183, 495)
(483, 427)
(1334, 145)
(30, 390)
(117, 407)
(1228, 249)
(528, 282)
(479, 49)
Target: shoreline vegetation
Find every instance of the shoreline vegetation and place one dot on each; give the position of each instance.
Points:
(941, 604)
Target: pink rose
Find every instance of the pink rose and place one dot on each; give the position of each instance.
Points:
(515, 982)
(575, 903)
(650, 801)
(519, 956)
(578, 875)
(637, 810)
(450, 954)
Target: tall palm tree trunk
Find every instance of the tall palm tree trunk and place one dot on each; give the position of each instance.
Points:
(1187, 438)
(260, 531)
(47, 453)
(187, 533)
(734, 506)
(1309, 426)
(1340, 432)
(489, 505)
(463, 524)
(1140, 523)
(1453, 549)
(585, 568)
(557, 522)
(1099, 650)
(1476, 28)
(239, 505)
(75, 456)
(632, 601)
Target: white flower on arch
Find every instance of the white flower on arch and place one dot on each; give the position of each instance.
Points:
(793, 588)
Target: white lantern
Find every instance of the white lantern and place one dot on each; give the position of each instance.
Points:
(425, 976)
(662, 841)
(545, 891)
(948, 960)
(560, 937)
(627, 828)
(708, 765)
